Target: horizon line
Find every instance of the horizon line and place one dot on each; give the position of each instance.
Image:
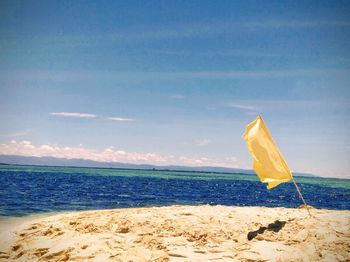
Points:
(154, 166)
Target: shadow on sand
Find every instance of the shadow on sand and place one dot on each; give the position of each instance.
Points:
(275, 227)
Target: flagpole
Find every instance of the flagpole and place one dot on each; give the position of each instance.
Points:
(301, 196)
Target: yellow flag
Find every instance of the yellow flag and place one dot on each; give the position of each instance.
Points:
(268, 163)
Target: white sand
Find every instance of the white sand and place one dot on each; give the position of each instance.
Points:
(180, 233)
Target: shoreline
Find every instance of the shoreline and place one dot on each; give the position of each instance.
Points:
(178, 233)
(32, 216)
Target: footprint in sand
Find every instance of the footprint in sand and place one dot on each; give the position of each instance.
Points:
(32, 227)
(176, 255)
(16, 247)
(87, 228)
(4, 255)
(84, 246)
(62, 255)
(53, 231)
(39, 252)
(16, 252)
(123, 229)
(19, 255)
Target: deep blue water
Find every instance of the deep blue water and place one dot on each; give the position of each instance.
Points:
(29, 190)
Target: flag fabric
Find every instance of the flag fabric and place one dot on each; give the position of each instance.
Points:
(268, 162)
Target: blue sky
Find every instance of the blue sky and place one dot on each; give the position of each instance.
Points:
(176, 82)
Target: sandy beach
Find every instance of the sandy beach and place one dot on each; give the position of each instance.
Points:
(179, 233)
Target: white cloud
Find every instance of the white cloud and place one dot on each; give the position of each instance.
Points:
(70, 114)
(203, 142)
(121, 119)
(110, 154)
(240, 106)
(26, 148)
(249, 110)
(85, 115)
(205, 161)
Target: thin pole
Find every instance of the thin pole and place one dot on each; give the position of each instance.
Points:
(301, 196)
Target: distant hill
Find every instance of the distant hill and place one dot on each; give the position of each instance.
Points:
(53, 161)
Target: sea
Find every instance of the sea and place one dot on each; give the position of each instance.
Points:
(28, 190)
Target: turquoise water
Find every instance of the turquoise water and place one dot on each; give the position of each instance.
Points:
(326, 182)
(36, 189)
